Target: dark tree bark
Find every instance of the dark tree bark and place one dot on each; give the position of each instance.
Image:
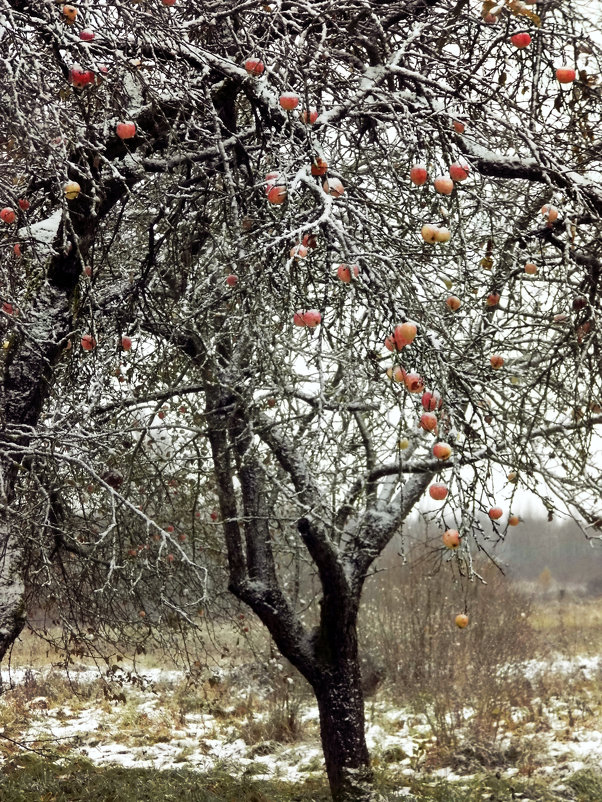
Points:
(342, 727)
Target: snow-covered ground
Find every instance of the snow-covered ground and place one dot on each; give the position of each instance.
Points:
(138, 730)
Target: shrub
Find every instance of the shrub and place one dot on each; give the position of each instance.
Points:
(451, 676)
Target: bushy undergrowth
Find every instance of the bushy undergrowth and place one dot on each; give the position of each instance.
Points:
(454, 677)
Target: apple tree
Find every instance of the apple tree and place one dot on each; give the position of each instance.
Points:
(353, 252)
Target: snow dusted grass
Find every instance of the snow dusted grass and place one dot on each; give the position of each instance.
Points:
(162, 722)
(251, 733)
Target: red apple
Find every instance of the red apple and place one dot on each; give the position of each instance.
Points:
(493, 299)
(451, 538)
(7, 308)
(414, 383)
(7, 215)
(459, 172)
(495, 513)
(453, 303)
(310, 241)
(462, 621)
(126, 343)
(513, 520)
(288, 101)
(551, 212)
(438, 491)
(418, 175)
(312, 318)
(168, 2)
(530, 269)
(277, 194)
(126, 130)
(254, 66)
(232, 280)
(565, 75)
(214, 515)
(444, 185)
(309, 116)
(80, 78)
(344, 272)
(405, 334)
(496, 361)
(428, 421)
(88, 342)
(87, 35)
(299, 319)
(24, 204)
(442, 450)
(459, 127)
(334, 187)
(298, 252)
(431, 401)
(520, 40)
(17, 249)
(319, 166)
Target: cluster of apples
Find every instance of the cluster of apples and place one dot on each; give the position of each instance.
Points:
(444, 185)
(404, 334)
(289, 101)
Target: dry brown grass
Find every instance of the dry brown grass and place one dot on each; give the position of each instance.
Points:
(570, 626)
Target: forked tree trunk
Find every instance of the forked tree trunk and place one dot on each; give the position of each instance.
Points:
(342, 728)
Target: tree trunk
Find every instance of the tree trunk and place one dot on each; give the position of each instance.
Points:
(12, 590)
(342, 726)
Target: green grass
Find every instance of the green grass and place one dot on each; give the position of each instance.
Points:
(586, 785)
(28, 778)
